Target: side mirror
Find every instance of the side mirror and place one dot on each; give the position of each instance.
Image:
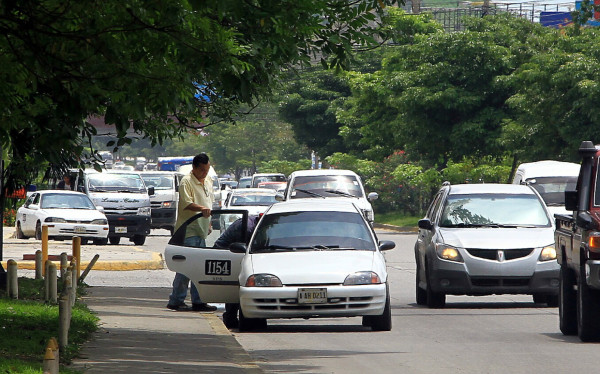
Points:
(100, 209)
(385, 245)
(237, 247)
(34, 206)
(425, 224)
(279, 197)
(150, 191)
(585, 221)
(373, 196)
(571, 200)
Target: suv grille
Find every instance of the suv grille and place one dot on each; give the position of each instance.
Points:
(492, 254)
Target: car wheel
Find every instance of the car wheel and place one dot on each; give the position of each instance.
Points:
(101, 241)
(434, 299)
(384, 321)
(588, 310)
(421, 294)
(567, 302)
(114, 240)
(84, 241)
(138, 239)
(38, 231)
(249, 324)
(19, 232)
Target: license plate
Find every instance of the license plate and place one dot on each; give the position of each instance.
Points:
(312, 295)
(217, 267)
(120, 229)
(80, 229)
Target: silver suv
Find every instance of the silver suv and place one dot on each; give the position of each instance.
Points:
(483, 239)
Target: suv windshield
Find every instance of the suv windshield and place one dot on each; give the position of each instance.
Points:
(325, 186)
(108, 182)
(552, 189)
(316, 231)
(493, 210)
(159, 182)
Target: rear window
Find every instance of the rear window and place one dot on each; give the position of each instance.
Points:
(326, 186)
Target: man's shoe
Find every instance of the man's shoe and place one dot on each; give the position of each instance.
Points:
(181, 308)
(204, 307)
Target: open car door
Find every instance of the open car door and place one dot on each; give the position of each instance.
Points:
(213, 269)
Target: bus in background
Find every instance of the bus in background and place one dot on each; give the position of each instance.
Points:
(173, 163)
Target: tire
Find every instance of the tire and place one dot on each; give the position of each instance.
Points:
(367, 321)
(19, 232)
(138, 239)
(384, 321)
(434, 299)
(114, 240)
(421, 294)
(588, 309)
(249, 324)
(38, 231)
(101, 241)
(567, 302)
(84, 241)
(552, 301)
(539, 298)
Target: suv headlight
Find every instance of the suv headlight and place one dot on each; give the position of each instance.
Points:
(362, 277)
(168, 204)
(548, 253)
(145, 211)
(263, 280)
(447, 252)
(55, 219)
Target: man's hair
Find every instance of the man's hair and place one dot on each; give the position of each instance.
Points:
(202, 158)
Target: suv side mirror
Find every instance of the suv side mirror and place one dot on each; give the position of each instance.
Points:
(373, 196)
(571, 200)
(425, 224)
(151, 190)
(585, 221)
(385, 245)
(279, 197)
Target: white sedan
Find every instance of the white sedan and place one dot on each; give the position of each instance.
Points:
(254, 200)
(304, 260)
(65, 213)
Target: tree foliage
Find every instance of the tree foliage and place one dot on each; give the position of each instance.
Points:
(152, 66)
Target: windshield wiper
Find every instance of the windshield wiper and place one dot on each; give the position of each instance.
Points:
(321, 247)
(309, 193)
(272, 247)
(337, 192)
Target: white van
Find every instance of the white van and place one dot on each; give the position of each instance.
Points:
(330, 184)
(550, 179)
(165, 198)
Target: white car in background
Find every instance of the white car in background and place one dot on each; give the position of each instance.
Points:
(304, 260)
(254, 200)
(330, 184)
(65, 213)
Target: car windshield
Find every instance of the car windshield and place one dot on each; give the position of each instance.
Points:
(108, 182)
(267, 178)
(159, 182)
(317, 230)
(494, 210)
(66, 201)
(326, 186)
(552, 189)
(256, 198)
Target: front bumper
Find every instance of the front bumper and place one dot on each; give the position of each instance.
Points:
(68, 230)
(163, 218)
(342, 301)
(128, 225)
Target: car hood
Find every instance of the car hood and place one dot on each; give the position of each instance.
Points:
(310, 267)
(75, 214)
(497, 238)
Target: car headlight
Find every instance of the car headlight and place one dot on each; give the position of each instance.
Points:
(100, 221)
(263, 280)
(55, 219)
(362, 277)
(548, 253)
(447, 252)
(145, 211)
(168, 204)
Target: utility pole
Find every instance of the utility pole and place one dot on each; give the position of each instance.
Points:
(2, 196)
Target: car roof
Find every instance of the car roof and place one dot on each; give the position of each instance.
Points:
(323, 172)
(323, 205)
(491, 188)
(66, 192)
(548, 168)
(261, 191)
(266, 174)
(156, 172)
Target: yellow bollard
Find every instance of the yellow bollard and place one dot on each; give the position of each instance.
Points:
(77, 255)
(44, 247)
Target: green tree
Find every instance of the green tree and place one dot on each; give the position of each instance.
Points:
(155, 66)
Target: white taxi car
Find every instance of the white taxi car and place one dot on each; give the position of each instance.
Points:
(304, 260)
(66, 213)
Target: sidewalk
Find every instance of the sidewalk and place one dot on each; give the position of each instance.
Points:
(138, 334)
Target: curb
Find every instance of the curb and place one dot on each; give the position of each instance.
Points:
(156, 263)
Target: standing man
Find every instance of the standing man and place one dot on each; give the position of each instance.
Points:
(195, 196)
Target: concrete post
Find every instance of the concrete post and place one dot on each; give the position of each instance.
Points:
(52, 286)
(48, 366)
(64, 263)
(44, 246)
(73, 281)
(64, 320)
(47, 280)
(88, 268)
(38, 264)
(12, 284)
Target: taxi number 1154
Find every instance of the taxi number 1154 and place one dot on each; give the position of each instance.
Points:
(217, 267)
